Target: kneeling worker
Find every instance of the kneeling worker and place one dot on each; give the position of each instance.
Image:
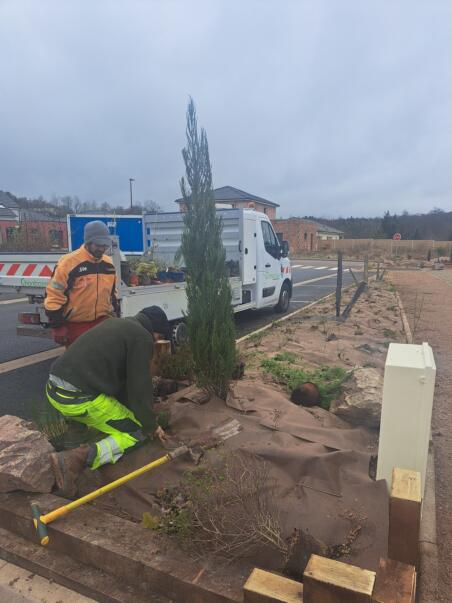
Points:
(107, 364)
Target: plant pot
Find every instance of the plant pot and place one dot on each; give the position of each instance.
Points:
(145, 279)
(134, 281)
(176, 277)
(162, 276)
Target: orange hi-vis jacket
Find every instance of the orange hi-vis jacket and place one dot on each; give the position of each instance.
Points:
(82, 288)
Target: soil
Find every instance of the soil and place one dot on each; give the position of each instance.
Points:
(317, 339)
(427, 298)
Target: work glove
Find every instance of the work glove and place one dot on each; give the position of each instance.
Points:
(56, 318)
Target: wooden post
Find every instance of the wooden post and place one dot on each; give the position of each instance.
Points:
(265, 587)
(395, 583)
(339, 284)
(378, 271)
(366, 269)
(405, 516)
(162, 349)
(329, 581)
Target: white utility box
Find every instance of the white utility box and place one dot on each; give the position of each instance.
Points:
(406, 413)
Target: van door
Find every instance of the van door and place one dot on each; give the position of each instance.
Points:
(249, 250)
(268, 265)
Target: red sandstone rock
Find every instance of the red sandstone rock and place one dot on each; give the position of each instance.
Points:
(24, 457)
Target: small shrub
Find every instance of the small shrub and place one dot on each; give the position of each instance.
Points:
(285, 357)
(256, 338)
(390, 333)
(328, 379)
(178, 366)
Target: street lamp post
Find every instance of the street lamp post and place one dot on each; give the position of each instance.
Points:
(131, 199)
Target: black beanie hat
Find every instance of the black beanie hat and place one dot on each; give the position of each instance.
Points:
(158, 319)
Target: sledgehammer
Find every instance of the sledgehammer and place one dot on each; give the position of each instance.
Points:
(41, 521)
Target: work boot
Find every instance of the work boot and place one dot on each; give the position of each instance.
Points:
(67, 467)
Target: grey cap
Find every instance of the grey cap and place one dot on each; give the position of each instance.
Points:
(97, 232)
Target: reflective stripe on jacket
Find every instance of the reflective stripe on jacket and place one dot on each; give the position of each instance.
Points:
(82, 288)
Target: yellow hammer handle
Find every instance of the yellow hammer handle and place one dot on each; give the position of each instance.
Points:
(61, 511)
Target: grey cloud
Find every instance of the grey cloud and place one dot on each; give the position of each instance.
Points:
(325, 107)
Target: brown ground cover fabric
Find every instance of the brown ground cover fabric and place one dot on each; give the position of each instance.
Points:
(319, 464)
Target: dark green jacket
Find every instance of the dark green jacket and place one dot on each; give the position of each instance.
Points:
(113, 358)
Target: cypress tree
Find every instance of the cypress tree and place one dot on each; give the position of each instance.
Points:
(210, 318)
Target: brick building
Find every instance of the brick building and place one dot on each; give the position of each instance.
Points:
(303, 235)
(26, 230)
(299, 233)
(234, 198)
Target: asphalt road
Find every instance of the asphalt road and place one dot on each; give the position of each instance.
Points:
(21, 390)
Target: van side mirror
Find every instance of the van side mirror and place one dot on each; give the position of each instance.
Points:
(284, 249)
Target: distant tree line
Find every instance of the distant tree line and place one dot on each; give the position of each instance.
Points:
(436, 225)
(60, 206)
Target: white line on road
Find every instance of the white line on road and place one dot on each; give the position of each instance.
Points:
(297, 266)
(306, 267)
(18, 363)
(320, 267)
(313, 280)
(13, 301)
(335, 268)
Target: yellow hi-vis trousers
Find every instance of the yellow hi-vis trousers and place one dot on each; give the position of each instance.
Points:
(104, 413)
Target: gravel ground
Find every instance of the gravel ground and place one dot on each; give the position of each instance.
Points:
(427, 298)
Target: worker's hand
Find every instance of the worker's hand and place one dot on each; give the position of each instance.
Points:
(160, 434)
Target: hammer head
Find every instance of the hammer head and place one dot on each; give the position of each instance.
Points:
(41, 527)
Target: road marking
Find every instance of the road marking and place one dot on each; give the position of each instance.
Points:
(13, 301)
(300, 301)
(18, 363)
(335, 268)
(321, 268)
(313, 280)
(297, 266)
(306, 267)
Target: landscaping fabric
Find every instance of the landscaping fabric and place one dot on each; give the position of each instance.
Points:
(319, 466)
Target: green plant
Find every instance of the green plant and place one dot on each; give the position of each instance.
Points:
(285, 357)
(256, 338)
(178, 366)
(328, 379)
(210, 320)
(175, 518)
(390, 333)
(147, 268)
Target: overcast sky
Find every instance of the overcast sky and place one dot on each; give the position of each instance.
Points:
(327, 107)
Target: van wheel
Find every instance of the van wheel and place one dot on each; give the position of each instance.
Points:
(180, 334)
(284, 299)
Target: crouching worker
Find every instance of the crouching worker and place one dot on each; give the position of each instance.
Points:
(107, 364)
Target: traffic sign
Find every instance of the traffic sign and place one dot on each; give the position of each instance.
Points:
(397, 236)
